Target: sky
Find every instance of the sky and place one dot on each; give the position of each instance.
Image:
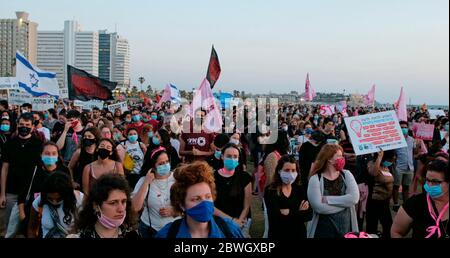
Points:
(270, 45)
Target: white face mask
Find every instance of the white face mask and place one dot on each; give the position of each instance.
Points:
(234, 141)
(288, 178)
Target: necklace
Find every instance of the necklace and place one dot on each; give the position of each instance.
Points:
(116, 234)
(25, 142)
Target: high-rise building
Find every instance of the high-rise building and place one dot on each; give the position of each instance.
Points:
(72, 46)
(18, 34)
(114, 58)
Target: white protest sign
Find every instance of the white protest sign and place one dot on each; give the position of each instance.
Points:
(9, 83)
(43, 104)
(122, 105)
(64, 93)
(88, 104)
(435, 113)
(371, 132)
(19, 98)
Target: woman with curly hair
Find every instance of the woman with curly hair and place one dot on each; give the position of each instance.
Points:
(107, 212)
(193, 195)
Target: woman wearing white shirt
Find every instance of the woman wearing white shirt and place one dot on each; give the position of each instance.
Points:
(152, 195)
(55, 209)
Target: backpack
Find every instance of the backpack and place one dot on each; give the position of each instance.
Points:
(261, 176)
(175, 227)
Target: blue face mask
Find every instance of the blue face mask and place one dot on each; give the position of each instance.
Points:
(218, 154)
(230, 164)
(155, 117)
(49, 160)
(150, 134)
(5, 128)
(446, 127)
(145, 120)
(132, 138)
(155, 141)
(405, 131)
(163, 170)
(309, 131)
(137, 118)
(202, 212)
(434, 191)
(387, 164)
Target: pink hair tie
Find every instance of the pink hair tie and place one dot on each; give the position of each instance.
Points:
(160, 148)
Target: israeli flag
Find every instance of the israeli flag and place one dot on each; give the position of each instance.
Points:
(33, 80)
(174, 94)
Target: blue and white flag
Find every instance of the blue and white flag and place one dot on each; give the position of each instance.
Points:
(33, 80)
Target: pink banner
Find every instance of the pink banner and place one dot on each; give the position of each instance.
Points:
(423, 131)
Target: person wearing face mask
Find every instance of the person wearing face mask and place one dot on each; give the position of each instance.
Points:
(404, 170)
(55, 208)
(154, 121)
(161, 138)
(136, 122)
(427, 213)
(51, 118)
(239, 139)
(84, 155)
(151, 196)
(287, 203)
(20, 156)
(50, 164)
(193, 195)
(333, 194)
(71, 136)
(215, 160)
(5, 134)
(38, 118)
(234, 190)
(107, 163)
(133, 156)
(378, 208)
(107, 211)
(127, 118)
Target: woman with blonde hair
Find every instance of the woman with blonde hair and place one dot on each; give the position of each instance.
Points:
(333, 194)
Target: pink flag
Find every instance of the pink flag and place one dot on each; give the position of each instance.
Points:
(369, 99)
(309, 93)
(204, 99)
(342, 108)
(327, 110)
(400, 107)
(165, 97)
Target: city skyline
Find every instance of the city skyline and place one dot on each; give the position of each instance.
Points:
(270, 46)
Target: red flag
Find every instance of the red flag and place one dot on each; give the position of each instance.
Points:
(213, 69)
(84, 86)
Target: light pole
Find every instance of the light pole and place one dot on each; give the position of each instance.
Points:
(141, 80)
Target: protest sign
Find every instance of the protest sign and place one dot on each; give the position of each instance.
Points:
(88, 105)
(19, 98)
(435, 113)
(423, 131)
(9, 83)
(122, 105)
(327, 110)
(370, 133)
(43, 104)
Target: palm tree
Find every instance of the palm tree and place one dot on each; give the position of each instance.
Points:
(141, 81)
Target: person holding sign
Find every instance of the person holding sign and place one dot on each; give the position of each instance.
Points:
(404, 171)
(378, 203)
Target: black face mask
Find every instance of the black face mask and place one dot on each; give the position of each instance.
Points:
(103, 153)
(88, 142)
(36, 122)
(24, 131)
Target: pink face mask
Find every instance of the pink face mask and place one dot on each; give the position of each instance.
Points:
(339, 164)
(110, 223)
